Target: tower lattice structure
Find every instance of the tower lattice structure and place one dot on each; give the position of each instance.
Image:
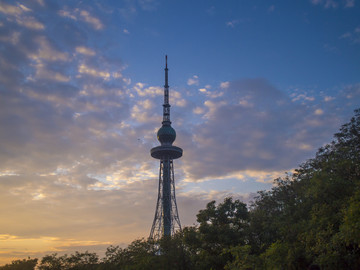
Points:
(166, 221)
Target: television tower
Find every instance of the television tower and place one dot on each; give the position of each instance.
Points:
(166, 220)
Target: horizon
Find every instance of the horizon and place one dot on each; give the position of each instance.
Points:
(256, 88)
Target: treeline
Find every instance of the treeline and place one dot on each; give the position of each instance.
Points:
(309, 220)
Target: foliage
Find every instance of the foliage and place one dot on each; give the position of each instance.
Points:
(312, 217)
(77, 261)
(25, 264)
(168, 253)
(220, 227)
(243, 258)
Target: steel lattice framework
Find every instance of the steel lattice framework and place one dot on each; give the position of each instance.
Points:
(166, 221)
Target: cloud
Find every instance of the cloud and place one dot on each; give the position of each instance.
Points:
(334, 3)
(31, 23)
(84, 50)
(84, 16)
(142, 112)
(349, 3)
(224, 85)
(232, 23)
(199, 110)
(47, 52)
(84, 69)
(271, 8)
(19, 12)
(319, 112)
(43, 72)
(211, 10)
(61, 223)
(148, 5)
(68, 14)
(212, 93)
(325, 3)
(301, 97)
(194, 80)
(240, 124)
(328, 98)
(151, 91)
(41, 245)
(13, 10)
(346, 35)
(93, 21)
(353, 36)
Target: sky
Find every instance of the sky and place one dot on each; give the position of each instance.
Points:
(256, 87)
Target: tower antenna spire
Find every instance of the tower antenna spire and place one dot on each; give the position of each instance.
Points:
(166, 105)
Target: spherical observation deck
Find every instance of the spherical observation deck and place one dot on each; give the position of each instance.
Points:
(166, 151)
(166, 134)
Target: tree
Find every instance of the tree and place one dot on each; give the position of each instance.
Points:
(77, 261)
(140, 254)
(25, 264)
(311, 217)
(220, 227)
(51, 262)
(243, 259)
(173, 254)
(82, 261)
(333, 189)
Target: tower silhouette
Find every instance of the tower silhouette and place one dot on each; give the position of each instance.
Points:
(166, 220)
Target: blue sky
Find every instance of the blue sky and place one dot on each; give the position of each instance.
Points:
(256, 87)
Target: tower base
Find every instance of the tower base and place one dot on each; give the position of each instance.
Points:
(166, 221)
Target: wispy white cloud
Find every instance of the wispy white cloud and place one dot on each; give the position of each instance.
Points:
(13, 10)
(47, 52)
(334, 3)
(319, 112)
(353, 36)
(271, 8)
(68, 14)
(82, 15)
(142, 113)
(152, 91)
(20, 14)
(84, 50)
(41, 244)
(84, 69)
(31, 23)
(246, 111)
(302, 97)
(349, 3)
(199, 110)
(13, 38)
(194, 80)
(148, 5)
(325, 3)
(93, 21)
(43, 72)
(232, 23)
(211, 10)
(224, 85)
(328, 98)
